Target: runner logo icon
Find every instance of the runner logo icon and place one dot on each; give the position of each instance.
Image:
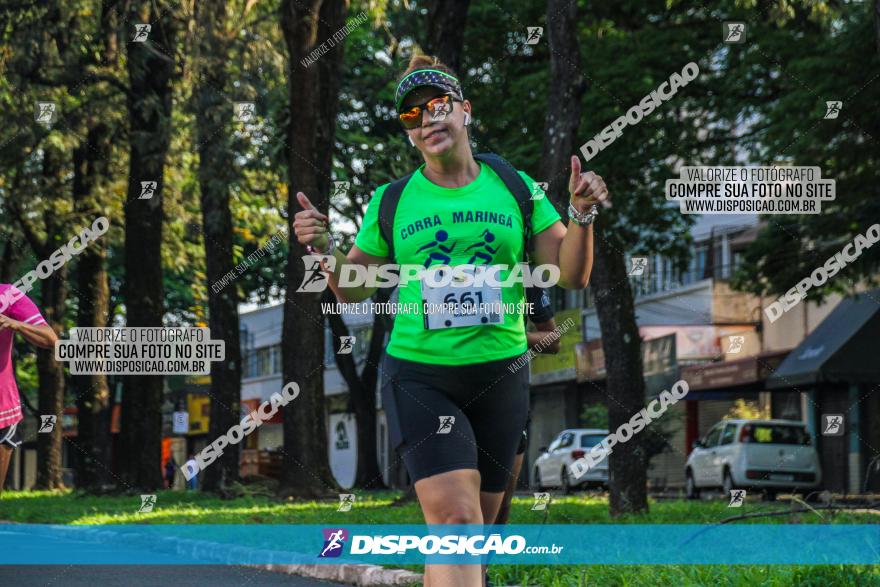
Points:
(345, 502)
(346, 345)
(334, 541)
(736, 498)
(736, 344)
(832, 109)
(314, 280)
(148, 188)
(148, 502)
(833, 425)
(734, 32)
(47, 423)
(141, 33)
(446, 423)
(639, 264)
(534, 34)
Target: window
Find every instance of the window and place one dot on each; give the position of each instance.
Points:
(738, 259)
(591, 440)
(775, 434)
(729, 434)
(712, 438)
(263, 361)
(700, 263)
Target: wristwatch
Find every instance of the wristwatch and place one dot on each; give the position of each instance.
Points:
(330, 249)
(583, 218)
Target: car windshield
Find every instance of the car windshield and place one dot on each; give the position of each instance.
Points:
(591, 440)
(777, 434)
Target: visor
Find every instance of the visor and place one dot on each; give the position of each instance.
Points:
(427, 77)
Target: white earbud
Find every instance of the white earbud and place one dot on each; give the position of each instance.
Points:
(467, 119)
(411, 141)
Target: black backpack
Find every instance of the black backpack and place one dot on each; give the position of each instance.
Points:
(514, 182)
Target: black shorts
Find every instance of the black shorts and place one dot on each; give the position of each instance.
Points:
(524, 437)
(488, 402)
(10, 436)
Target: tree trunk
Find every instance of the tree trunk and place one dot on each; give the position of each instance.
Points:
(446, 24)
(625, 385)
(91, 165)
(306, 470)
(150, 69)
(7, 261)
(609, 281)
(50, 399)
(213, 117)
(877, 24)
(92, 458)
(362, 392)
(50, 396)
(564, 99)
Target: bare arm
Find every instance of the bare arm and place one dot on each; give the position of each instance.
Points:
(354, 257)
(311, 228)
(544, 330)
(571, 249)
(41, 336)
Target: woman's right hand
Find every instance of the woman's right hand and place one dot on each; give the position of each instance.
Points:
(311, 226)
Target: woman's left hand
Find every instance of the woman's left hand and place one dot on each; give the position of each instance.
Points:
(586, 189)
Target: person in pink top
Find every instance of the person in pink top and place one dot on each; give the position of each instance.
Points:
(17, 314)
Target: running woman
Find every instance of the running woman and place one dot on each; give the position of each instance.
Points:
(19, 315)
(542, 317)
(440, 367)
(540, 312)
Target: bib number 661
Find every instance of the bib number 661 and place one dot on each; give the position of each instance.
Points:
(466, 299)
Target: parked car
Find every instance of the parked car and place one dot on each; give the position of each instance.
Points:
(552, 467)
(769, 455)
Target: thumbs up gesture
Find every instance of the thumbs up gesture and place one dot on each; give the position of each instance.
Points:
(311, 227)
(586, 189)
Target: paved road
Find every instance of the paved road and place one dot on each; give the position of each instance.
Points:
(150, 575)
(171, 575)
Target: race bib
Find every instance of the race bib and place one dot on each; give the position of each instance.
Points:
(447, 303)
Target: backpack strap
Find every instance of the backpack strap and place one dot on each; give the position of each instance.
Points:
(514, 182)
(516, 185)
(387, 210)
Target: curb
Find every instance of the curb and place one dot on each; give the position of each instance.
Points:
(362, 575)
(354, 574)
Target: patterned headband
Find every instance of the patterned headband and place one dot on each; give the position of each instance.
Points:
(427, 77)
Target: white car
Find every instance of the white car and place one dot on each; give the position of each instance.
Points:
(754, 454)
(552, 467)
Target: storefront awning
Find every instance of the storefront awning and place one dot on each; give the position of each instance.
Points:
(843, 348)
(746, 374)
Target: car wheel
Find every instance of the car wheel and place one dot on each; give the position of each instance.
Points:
(566, 482)
(691, 491)
(727, 484)
(538, 478)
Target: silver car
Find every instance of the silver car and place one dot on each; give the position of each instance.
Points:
(552, 467)
(768, 455)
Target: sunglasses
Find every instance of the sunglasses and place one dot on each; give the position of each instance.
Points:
(412, 117)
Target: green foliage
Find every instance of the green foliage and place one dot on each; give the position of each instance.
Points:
(594, 416)
(747, 410)
(801, 66)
